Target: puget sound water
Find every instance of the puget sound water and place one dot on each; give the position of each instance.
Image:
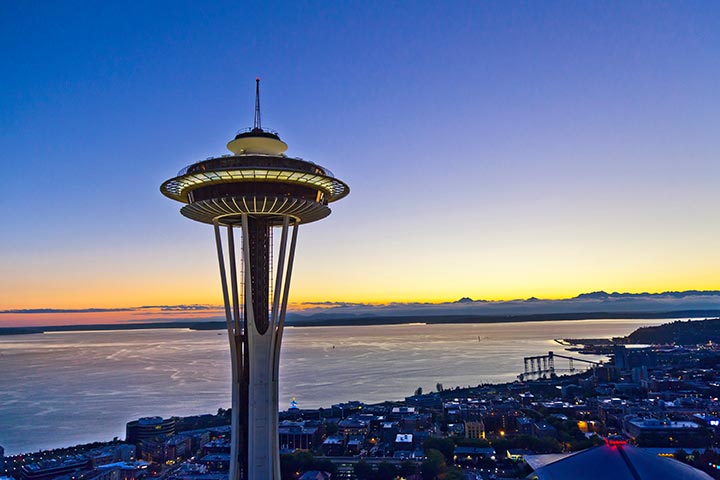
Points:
(62, 389)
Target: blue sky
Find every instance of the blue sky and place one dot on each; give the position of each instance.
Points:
(493, 149)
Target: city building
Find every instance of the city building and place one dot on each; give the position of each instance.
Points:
(298, 436)
(525, 425)
(334, 445)
(472, 455)
(216, 462)
(544, 430)
(123, 470)
(149, 427)
(355, 444)
(219, 445)
(54, 467)
(112, 454)
(255, 189)
(353, 426)
(475, 429)
(652, 432)
(404, 442)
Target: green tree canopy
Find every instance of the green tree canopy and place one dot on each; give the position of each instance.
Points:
(363, 470)
(446, 446)
(407, 468)
(386, 471)
(331, 428)
(433, 465)
(454, 473)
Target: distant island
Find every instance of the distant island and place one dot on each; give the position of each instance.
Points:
(680, 333)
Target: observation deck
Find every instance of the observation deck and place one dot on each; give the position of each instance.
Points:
(258, 179)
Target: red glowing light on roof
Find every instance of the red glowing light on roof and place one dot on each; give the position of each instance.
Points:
(614, 442)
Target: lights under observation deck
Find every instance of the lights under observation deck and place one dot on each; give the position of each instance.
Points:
(179, 187)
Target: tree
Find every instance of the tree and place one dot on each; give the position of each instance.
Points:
(454, 473)
(680, 455)
(471, 442)
(304, 461)
(407, 468)
(324, 465)
(363, 470)
(539, 445)
(386, 471)
(331, 428)
(444, 445)
(288, 467)
(433, 465)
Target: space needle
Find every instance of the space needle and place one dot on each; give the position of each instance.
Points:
(254, 190)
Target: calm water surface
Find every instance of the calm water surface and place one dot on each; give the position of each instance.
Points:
(61, 389)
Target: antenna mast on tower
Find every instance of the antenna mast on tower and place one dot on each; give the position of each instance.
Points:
(257, 123)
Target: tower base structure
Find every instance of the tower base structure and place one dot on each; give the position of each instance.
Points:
(255, 309)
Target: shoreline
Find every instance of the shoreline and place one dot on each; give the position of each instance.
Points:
(374, 321)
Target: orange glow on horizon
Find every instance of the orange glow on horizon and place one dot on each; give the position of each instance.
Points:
(301, 296)
(132, 311)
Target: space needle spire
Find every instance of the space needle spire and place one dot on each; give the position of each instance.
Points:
(257, 124)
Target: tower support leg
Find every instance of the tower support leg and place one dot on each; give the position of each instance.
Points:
(232, 320)
(255, 340)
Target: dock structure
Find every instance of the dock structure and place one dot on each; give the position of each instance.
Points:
(543, 366)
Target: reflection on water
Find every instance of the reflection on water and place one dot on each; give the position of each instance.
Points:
(66, 388)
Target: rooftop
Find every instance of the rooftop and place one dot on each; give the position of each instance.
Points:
(615, 462)
(653, 423)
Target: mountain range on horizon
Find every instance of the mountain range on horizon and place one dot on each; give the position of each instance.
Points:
(601, 294)
(592, 302)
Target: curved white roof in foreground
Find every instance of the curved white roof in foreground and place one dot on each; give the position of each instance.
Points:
(617, 463)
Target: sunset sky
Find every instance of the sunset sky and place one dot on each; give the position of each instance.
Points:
(494, 150)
